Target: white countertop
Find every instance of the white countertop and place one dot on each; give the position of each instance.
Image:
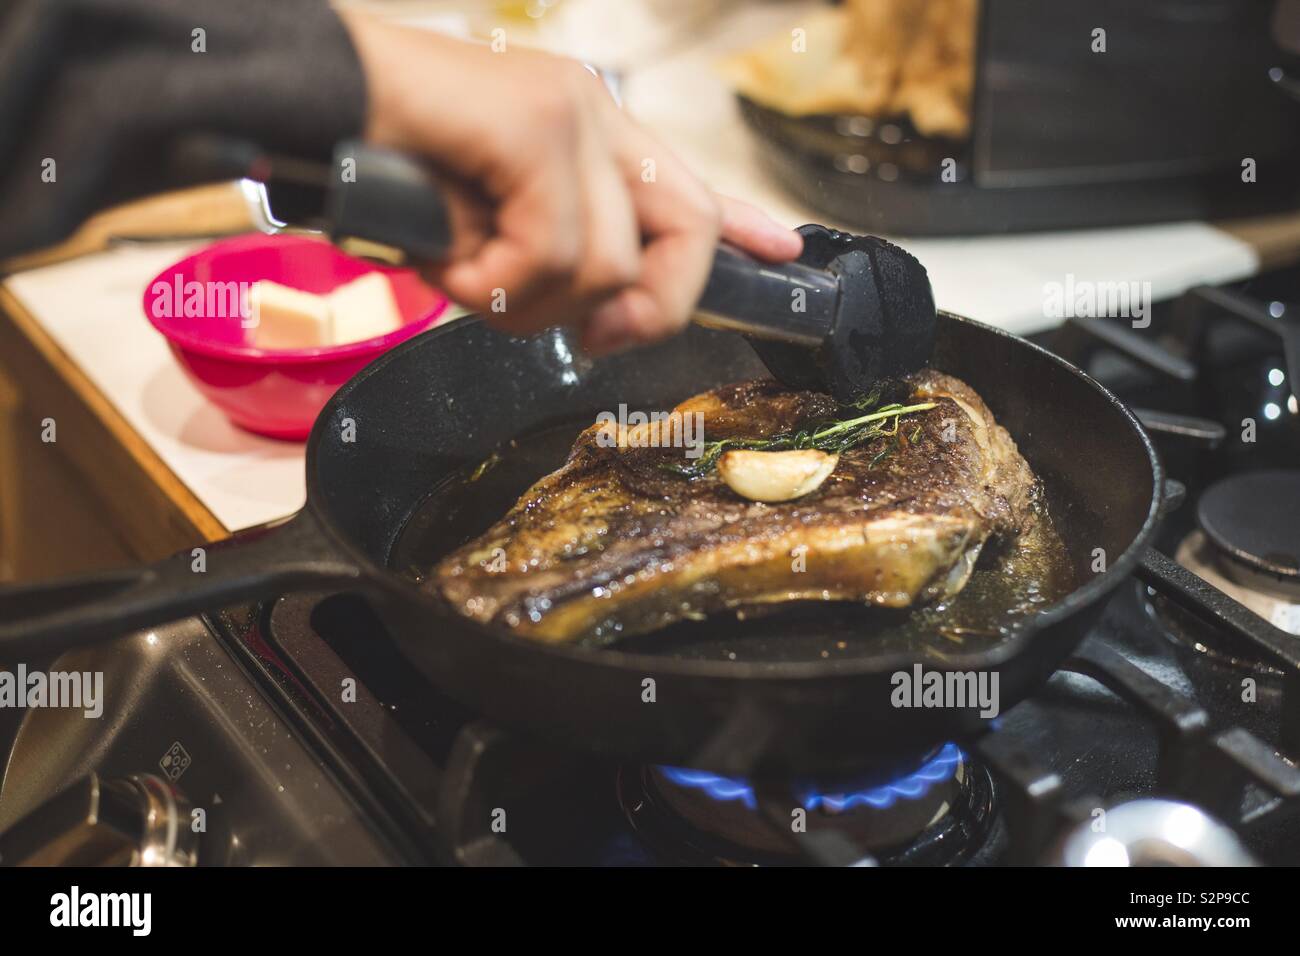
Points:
(91, 306)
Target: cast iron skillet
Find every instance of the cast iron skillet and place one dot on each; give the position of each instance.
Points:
(446, 400)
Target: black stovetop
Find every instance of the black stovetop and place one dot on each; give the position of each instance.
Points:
(1154, 705)
(432, 775)
(309, 739)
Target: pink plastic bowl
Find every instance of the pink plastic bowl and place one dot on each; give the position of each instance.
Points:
(276, 393)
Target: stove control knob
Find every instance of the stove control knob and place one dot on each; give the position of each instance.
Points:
(1153, 833)
(134, 821)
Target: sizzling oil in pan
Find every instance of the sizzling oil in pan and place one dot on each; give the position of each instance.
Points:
(1005, 586)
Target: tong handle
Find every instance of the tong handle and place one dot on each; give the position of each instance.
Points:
(387, 197)
(396, 200)
(786, 302)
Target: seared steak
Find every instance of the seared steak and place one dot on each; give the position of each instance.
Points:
(616, 542)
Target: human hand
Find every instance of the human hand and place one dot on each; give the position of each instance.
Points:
(564, 211)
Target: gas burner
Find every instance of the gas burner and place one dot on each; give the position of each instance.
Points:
(940, 813)
(1252, 519)
(1276, 601)
(1248, 543)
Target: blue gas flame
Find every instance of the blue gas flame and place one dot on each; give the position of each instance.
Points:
(912, 786)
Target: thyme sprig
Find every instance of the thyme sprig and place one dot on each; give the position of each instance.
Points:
(831, 437)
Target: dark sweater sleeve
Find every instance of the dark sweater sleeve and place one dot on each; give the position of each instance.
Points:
(94, 94)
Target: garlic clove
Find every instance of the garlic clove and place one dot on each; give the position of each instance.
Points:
(775, 475)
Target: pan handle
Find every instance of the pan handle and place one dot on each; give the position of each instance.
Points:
(43, 620)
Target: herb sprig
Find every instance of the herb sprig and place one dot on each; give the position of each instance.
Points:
(832, 437)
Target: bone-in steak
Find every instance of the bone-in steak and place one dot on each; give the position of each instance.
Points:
(617, 543)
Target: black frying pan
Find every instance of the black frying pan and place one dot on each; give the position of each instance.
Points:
(446, 400)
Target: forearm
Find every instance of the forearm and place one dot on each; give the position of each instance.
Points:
(94, 93)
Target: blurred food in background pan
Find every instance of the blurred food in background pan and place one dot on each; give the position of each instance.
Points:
(960, 117)
(875, 58)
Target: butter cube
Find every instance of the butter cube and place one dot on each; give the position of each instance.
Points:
(363, 308)
(285, 318)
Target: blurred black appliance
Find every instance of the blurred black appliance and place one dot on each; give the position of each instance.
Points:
(1155, 128)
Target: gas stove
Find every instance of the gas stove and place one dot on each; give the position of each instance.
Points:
(304, 737)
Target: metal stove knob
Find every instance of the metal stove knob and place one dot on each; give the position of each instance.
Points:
(139, 820)
(1153, 833)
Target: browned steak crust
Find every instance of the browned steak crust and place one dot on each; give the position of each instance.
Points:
(615, 543)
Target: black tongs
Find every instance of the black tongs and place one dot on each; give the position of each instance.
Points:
(851, 312)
